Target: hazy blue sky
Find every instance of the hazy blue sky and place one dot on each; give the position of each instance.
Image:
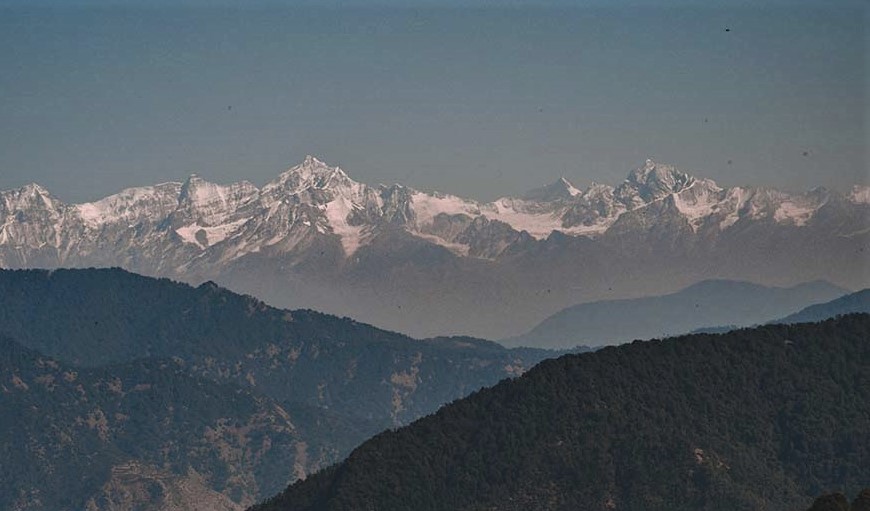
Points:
(481, 102)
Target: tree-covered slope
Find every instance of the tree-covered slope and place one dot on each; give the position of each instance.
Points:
(135, 434)
(763, 418)
(337, 381)
(839, 502)
(95, 317)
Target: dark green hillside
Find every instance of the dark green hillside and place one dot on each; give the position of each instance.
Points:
(67, 435)
(763, 418)
(99, 316)
(839, 502)
(336, 381)
(96, 317)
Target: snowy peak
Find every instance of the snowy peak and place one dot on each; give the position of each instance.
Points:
(311, 173)
(208, 213)
(427, 206)
(313, 204)
(201, 194)
(312, 161)
(191, 187)
(653, 181)
(33, 190)
(860, 194)
(664, 178)
(562, 189)
(131, 205)
(28, 196)
(597, 190)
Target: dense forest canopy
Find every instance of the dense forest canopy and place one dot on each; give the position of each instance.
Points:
(114, 382)
(763, 418)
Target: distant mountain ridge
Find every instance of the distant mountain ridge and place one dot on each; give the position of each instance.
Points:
(313, 237)
(765, 418)
(853, 303)
(858, 302)
(262, 396)
(712, 302)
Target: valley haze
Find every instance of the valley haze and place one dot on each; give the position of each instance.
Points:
(429, 264)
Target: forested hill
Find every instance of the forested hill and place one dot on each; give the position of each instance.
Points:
(142, 435)
(299, 389)
(91, 317)
(94, 317)
(765, 418)
(839, 502)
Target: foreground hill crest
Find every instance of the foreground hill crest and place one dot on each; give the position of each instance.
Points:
(763, 418)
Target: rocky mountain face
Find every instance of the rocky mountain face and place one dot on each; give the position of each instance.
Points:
(765, 418)
(430, 263)
(121, 391)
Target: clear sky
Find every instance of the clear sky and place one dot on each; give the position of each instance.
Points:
(468, 99)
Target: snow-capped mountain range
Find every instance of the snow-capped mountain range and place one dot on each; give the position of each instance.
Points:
(332, 233)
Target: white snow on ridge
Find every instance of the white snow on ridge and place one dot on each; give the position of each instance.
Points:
(337, 212)
(188, 234)
(201, 191)
(697, 202)
(539, 222)
(538, 225)
(310, 174)
(214, 234)
(94, 212)
(127, 204)
(790, 211)
(860, 194)
(4, 230)
(572, 190)
(427, 206)
(735, 200)
(693, 209)
(313, 199)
